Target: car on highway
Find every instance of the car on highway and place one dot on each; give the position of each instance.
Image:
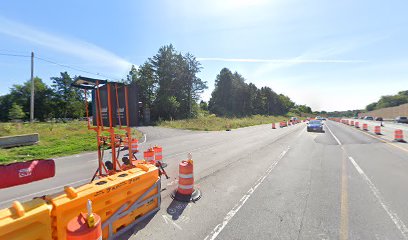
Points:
(379, 119)
(315, 126)
(368, 118)
(401, 119)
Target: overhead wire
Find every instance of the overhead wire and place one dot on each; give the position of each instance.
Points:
(2, 53)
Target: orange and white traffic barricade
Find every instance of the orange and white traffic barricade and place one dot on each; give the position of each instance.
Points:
(158, 156)
(185, 191)
(377, 130)
(365, 126)
(282, 124)
(399, 135)
(273, 126)
(134, 145)
(357, 124)
(148, 156)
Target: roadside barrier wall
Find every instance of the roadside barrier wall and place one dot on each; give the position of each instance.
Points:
(121, 200)
(28, 220)
(111, 196)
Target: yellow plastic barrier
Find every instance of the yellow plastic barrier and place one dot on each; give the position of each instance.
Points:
(121, 200)
(29, 220)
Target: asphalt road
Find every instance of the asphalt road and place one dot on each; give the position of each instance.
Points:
(263, 183)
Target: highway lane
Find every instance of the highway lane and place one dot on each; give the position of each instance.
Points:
(260, 183)
(78, 169)
(341, 184)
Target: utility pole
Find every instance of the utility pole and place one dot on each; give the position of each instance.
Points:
(32, 89)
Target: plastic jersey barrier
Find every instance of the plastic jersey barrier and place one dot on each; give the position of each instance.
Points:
(19, 173)
(29, 220)
(121, 200)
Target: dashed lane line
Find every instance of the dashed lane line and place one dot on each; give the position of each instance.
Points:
(217, 230)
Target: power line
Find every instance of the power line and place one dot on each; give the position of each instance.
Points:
(14, 55)
(75, 68)
(58, 64)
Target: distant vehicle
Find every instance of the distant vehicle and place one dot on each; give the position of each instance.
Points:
(324, 119)
(315, 126)
(355, 117)
(378, 119)
(401, 119)
(368, 118)
(293, 119)
(318, 118)
(361, 117)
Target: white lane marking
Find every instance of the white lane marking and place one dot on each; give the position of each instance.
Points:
(168, 219)
(145, 139)
(335, 138)
(50, 189)
(394, 217)
(217, 230)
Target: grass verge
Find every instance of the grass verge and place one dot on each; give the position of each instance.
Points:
(56, 139)
(214, 123)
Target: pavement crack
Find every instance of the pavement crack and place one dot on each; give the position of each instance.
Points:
(306, 203)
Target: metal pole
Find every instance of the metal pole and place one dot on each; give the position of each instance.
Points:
(32, 89)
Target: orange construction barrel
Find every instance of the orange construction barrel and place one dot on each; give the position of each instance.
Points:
(377, 130)
(399, 135)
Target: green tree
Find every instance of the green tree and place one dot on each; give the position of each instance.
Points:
(43, 105)
(175, 78)
(68, 101)
(371, 106)
(16, 112)
(221, 98)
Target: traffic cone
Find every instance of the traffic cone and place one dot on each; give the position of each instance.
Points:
(273, 126)
(185, 191)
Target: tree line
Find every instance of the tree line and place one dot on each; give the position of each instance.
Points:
(59, 100)
(389, 101)
(233, 97)
(168, 86)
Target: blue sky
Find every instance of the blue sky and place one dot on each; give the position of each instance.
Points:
(330, 55)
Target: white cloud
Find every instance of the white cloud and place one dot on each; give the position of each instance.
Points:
(296, 60)
(69, 46)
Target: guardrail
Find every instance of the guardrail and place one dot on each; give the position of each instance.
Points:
(19, 140)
